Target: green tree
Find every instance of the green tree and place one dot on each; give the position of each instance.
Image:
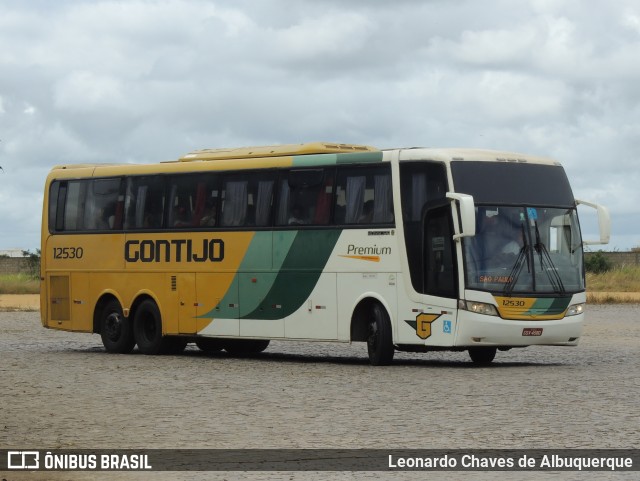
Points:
(597, 263)
(33, 263)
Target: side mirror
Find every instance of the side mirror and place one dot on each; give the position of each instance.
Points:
(467, 213)
(604, 223)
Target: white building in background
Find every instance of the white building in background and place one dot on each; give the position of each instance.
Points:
(11, 253)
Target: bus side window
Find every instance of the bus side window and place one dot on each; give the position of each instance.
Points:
(101, 206)
(57, 193)
(74, 205)
(234, 203)
(302, 197)
(187, 198)
(364, 196)
(263, 200)
(144, 203)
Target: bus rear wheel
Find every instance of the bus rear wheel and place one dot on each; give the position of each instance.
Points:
(379, 337)
(482, 356)
(116, 330)
(147, 329)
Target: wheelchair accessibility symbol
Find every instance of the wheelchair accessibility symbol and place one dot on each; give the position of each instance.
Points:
(446, 327)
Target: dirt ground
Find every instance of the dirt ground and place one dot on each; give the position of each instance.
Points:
(19, 302)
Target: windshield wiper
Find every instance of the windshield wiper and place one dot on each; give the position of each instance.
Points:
(546, 264)
(519, 264)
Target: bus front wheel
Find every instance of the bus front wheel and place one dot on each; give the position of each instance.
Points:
(482, 355)
(379, 337)
(147, 329)
(116, 330)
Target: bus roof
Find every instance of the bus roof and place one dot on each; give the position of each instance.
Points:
(275, 151)
(468, 154)
(293, 155)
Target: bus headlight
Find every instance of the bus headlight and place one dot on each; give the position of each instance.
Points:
(479, 307)
(575, 309)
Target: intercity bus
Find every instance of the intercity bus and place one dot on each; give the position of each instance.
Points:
(407, 250)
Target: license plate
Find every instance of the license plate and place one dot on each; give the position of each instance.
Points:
(532, 331)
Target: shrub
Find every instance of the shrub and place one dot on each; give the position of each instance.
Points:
(597, 263)
(33, 263)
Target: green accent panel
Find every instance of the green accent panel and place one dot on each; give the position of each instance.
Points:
(359, 157)
(253, 290)
(298, 275)
(314, 159)
(259, 252)
(413, 324)
(549, 306)
(257, 257)
(282, 242)
(227, 308)
(332, 159)
(311, 249)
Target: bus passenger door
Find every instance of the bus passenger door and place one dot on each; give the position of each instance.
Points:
(439, 280)
(439, 270)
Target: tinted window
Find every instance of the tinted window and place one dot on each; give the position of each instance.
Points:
(247, 199)
(55, 193)
(145, 202)
(364, 196)
(513, 183)
(305, 197)
(423, 187)
(104, 205)
(421, 183)
(193, 201)
(74, 205)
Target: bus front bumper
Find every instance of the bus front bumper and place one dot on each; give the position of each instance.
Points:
(483, 330)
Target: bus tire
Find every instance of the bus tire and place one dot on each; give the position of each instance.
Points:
(116, 330)
(209, 344)
(379, 337)
(482, 356)
(147, 329)
(245, 346)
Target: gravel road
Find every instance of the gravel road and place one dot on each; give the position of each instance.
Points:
(61, 390)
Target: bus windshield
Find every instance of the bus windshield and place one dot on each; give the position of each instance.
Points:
(524, 250)
(527, 233)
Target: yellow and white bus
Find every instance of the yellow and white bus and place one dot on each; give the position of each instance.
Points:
(408, 249)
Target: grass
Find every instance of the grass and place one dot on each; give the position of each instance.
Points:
(620, 285)
(19, 284)
(618, 279)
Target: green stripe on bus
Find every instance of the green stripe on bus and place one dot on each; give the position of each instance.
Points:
(255, 285)
(333, 159)
(360, 157)
(298, 275)
(549, 306)
(261, 262)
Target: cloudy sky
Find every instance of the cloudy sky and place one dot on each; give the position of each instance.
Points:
(144, 81)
